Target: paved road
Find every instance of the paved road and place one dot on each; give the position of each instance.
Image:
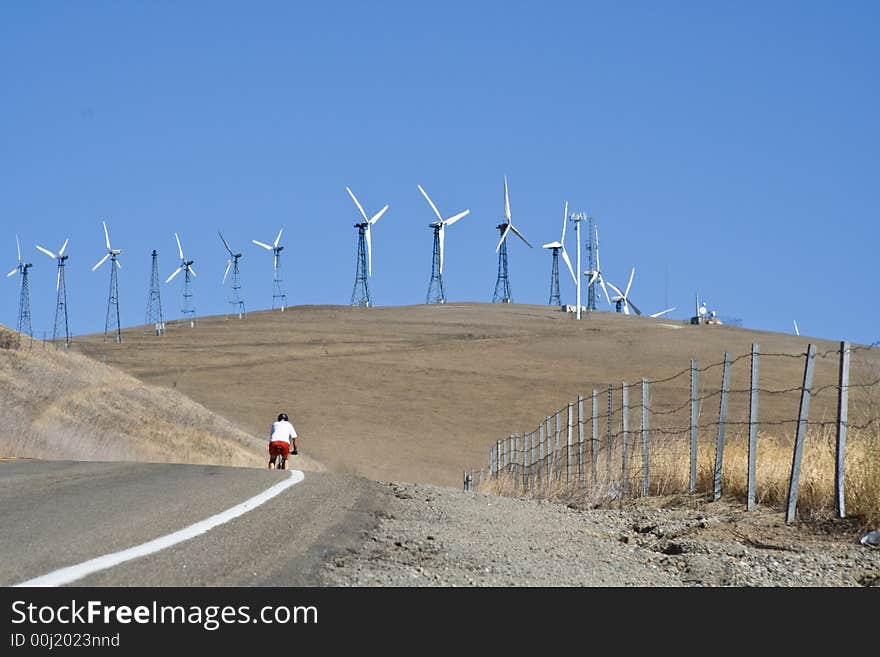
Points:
(60, 513)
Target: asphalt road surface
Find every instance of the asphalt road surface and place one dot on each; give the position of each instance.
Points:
(57, 514)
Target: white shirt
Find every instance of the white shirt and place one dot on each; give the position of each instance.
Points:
(282, 432)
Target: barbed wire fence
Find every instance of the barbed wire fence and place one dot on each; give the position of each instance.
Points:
(642, 438)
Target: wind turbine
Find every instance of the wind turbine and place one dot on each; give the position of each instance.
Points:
(622, 299)
(278, 294)
(360, 295)
(554, 272)
(235, 297)
(796, 329)
(24, 298)
(188, 272)
(61, 289)
(436, 283)
(113, 298)
(502, 282)
(596, 274)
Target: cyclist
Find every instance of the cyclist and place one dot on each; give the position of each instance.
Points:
(282, 441)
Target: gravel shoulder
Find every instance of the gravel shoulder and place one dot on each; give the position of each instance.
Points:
(433, 536)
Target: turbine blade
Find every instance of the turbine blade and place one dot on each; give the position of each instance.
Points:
(506, 202)
(602, 284)
(12, 272)
(106, 235)
(179, 248)
(570, 268)
(460, 215)
(225, 243)
(503, 235)
(593, 278)
(564, 222)
(63, 246)
(192, 271)
(58, 280)
(176, 272)
(378, 215)
(46, 251)
(101, 262)
(625, 307)
(520, 235)
(357, 203)
(265, 246)
(796, 330)
(118, 264)
(628, 285)
(634, 307)
(431, 203)
(663, 312)
(278, 239)
(442, 236)
(552, 245)
(616, 289)
(369, 252)
(18, 247)
(226, 273)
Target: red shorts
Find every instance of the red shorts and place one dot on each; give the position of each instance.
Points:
(279, 447)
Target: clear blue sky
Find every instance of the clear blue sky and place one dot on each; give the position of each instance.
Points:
(725, 147)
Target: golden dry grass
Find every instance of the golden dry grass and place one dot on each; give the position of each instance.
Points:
(61, 405)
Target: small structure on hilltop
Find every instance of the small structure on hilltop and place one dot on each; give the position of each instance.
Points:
(702, 314)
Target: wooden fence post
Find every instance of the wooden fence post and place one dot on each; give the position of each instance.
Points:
(542, 468)
(803, 413)
(646, 432)
(497, 457)
(722, 426)
(581, 440)
(694, 415)
(624, 400)
(753, 428)
(842, 418)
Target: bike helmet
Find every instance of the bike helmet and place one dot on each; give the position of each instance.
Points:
(282, 417)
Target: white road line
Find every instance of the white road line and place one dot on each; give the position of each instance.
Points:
(70, 574)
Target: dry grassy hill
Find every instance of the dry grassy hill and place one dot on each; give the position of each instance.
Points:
(60, 405)
(418, 393)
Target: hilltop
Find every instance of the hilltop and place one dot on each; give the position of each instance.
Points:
(418, 393)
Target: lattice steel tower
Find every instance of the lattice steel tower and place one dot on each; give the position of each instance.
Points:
(235, 294)
(154, 300)
(435, 285)
(188, 309)
(112, 322)
(554, 280)
(24, 302)
(61, 320)
(502, 282)
(360, 294)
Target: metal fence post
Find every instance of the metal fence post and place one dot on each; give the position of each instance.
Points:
(624, 397)
(568, 445)
(557, 457)
(594, 444)
(550, 455)
(803, 412)
(842, 417)
(581, 440)
(694, 414)
(753, 428)
(608, 434)
(722, 426)
(646, 433)
(497, 458)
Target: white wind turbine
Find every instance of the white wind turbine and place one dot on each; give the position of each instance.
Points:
(360, 295)
(502, 283)
(557, 248)
(61, 317)
(188, 272)
(624, 303)
(24, 298)
(278, 294)
(113, 299)
(439, 227)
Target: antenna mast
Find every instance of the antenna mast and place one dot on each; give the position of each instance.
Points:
(591, 263)
(577, 218)
(360, 294)
(435, 286)
(154, 300)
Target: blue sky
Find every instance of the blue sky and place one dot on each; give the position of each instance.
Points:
(725, 147)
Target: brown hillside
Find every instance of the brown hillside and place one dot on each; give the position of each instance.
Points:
(418, 393)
